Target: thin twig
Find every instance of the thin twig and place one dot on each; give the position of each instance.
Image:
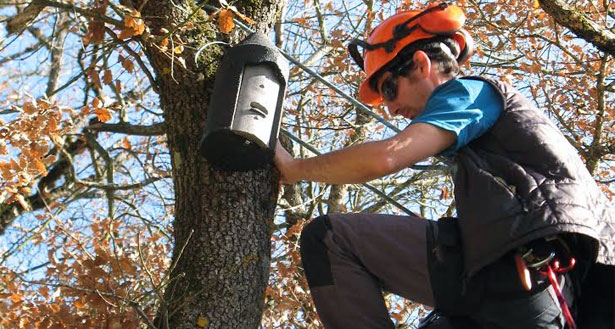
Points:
(82, 11)
(136, 57)
(142, 314)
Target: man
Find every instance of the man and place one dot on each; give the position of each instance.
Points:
(527, 209)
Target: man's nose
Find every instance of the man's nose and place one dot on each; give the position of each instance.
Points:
(393, 108)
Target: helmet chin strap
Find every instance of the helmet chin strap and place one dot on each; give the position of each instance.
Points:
(353, 50)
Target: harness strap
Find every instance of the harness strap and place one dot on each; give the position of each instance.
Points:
(550, 274)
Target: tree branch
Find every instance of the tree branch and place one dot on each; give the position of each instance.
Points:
(118, 187)
(21, 21)
(580, 25)
(91, 139)
(8, 212)
(156, 129)
(594, 157)
(56, 52)
(14, 56)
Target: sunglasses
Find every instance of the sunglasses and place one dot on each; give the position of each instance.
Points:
(388, 88)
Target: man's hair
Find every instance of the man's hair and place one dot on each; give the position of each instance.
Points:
(441, 50)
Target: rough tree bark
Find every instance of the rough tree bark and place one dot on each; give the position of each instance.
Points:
(223, 221)
(594, 33)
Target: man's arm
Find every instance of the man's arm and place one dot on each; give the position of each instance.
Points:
(364, 162)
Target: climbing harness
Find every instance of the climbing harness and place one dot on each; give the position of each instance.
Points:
(549, 266)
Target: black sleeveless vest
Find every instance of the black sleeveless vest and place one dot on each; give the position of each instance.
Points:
(522, 180)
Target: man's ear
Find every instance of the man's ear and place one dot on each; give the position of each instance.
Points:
(423, 63)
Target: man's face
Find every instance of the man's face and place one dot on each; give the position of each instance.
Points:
(406, 95)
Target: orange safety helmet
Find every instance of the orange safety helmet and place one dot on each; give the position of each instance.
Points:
(401, 30)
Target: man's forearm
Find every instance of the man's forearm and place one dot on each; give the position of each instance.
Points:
(364, 162)
(356, 164)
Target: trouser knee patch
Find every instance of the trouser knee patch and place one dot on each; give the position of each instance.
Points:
(314, 252)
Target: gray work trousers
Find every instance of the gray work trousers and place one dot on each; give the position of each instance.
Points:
(366, 254)
(349, 259)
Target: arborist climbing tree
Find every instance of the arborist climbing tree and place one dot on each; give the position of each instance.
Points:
(532, 237)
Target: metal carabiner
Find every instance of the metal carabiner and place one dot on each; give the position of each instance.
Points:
(540, 262)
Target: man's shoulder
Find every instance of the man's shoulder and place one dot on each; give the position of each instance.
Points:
(467, 87)
(477, 83)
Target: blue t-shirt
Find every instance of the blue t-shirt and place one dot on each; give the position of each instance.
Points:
(465, 107)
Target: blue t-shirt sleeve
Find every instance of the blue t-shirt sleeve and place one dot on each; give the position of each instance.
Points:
(465, 107)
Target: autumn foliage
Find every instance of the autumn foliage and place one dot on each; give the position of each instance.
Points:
(91, 279)
(26, 142)
(86, 176)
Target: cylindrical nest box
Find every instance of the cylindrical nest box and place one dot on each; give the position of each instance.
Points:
(245, 110)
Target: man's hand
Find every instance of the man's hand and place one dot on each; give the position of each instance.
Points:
(285, 163)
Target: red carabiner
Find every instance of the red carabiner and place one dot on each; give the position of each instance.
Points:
(550, 273)
(558, 269)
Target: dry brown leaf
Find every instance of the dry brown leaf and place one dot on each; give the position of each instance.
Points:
(15, 298)
(225, 21)
(114, 323)
(102, 114)
(444, 193)
(43, 104)
(128, 65)
(126, 143)
(79, 304)
(95, 78)
(29, 108)
(55, 308)
(96, 31)
(86, 39)
(85, 110)
(128, 266)
(52, 124)
(49, 160)
(44, 291)
(125, 34)
(137, 23)
(133, 25)
(3, 148)
(96, 102)
(108, 77)
(39, 166)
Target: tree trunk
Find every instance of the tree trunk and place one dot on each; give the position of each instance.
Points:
(223, 221)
